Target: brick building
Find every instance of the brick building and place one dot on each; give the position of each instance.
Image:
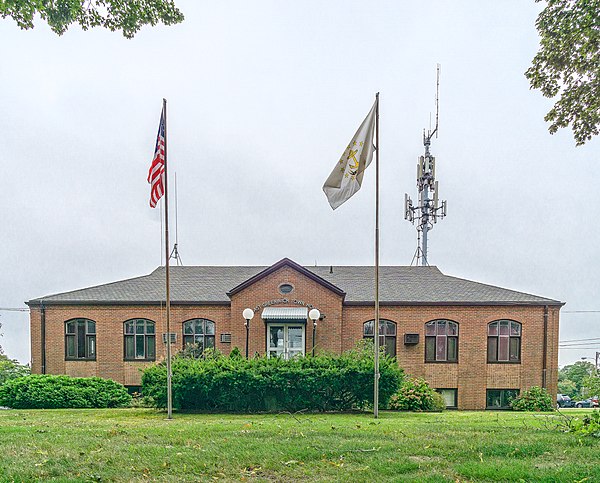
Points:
(477, 344)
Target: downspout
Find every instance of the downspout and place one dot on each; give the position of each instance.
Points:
(43, 336)
(545, 348)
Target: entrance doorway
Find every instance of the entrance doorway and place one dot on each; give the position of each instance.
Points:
(285, 340)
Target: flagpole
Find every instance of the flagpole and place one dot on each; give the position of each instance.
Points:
(376, 332)
(167, 281)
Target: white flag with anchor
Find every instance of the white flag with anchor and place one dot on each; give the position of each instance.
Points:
(346, 177)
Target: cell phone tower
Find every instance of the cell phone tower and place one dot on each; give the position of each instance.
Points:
(429, 210)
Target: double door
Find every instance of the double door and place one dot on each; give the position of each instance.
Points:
(285, 340)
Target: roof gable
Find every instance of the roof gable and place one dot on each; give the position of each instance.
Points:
(286, 262)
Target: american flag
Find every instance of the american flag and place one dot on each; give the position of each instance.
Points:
(157, 169)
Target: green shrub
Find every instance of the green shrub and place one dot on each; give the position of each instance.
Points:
(534, 399)
(234, 384)
(416, 395)
(589, 425)
(50, 392)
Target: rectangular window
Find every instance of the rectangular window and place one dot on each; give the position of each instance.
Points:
(139, 347)
(452, 349)
(129, 347)
(151, 349)
(81, 341)
(492, 349)
(450, 397)
(91, 346)
(503, 348)
(515, 349)
(430, 349)
(71, 346)
(500, 398)
(441, 348)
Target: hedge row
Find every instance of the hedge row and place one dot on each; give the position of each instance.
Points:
(51, 392)
(233, 384)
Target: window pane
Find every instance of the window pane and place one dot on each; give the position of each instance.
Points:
(129, 351)
(140, 325)
(504, 327)
(493, 328)
(368, 328)
(209, 342)
(151, 347)
(430, 328)
(390, 328)
(381, 341)
(493, 349)
(452, 328)
(493, 399)
(503, 348)
(452, 349)
(149, 327)
(430, 348)
(198, 326)
(449, 396)
(91, 346)
(390, 346)
(441, 327)
(70, 327)
(91, 327)
(188, 340)
(515, 345)
(81, 340)
(210, 328)
(187, 328)
(71, 346)
(129, 327)
(199, 339)
(139, 346)
(515, 328)
(440, 353)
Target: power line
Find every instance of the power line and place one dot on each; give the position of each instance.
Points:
(14, 309)
(578, 340)
(580, 312)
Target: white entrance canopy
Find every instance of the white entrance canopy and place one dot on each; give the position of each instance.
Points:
(285, 313)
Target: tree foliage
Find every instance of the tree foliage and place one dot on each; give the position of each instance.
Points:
(127, 16)
(568, 65)
(592, 385)
(576, 373)
(11, 369)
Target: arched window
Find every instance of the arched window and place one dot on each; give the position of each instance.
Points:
(504, 341)
(140, 339)
(199, 333)
(80, 339)
(387, 334)
(441, 341)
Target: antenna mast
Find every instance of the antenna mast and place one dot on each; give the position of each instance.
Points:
(427, 212)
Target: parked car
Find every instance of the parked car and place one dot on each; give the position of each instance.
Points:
(563, 401)
(590, 402)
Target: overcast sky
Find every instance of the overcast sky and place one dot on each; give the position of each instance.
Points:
(263, 97)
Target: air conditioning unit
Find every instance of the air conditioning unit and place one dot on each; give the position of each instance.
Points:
(411, 339)
(225, 338)
(173, 338)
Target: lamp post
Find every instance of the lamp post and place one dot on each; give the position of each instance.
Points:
(248, 314)
(314, 315)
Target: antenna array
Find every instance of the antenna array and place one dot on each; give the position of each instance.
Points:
(429, 209)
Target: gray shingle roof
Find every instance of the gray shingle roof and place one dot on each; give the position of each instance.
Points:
(210, 284)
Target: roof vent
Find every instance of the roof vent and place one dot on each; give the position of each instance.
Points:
(330, 268)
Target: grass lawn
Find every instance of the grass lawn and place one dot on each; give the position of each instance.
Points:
(140, 445)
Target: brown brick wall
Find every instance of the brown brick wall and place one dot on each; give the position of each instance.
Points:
(340, 330)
